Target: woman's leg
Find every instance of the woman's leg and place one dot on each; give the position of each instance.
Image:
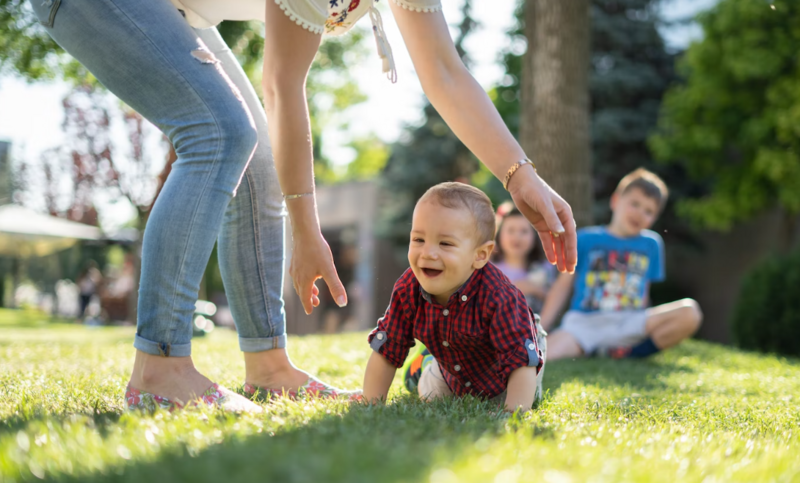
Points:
(251, 248)
(148, 56)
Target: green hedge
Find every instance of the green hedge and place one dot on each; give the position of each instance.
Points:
(767, 315)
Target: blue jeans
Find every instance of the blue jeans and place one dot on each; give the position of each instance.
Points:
(223, 185)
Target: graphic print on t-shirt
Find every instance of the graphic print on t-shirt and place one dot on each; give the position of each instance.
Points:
(615, 280)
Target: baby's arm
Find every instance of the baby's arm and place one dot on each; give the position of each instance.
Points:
(378, 378)
(521, 389)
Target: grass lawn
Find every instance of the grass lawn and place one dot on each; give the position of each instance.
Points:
(701, 412)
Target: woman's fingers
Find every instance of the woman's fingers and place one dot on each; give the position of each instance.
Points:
(304, 293)
(569, 239)
(552, 219)
(547, 245)
(335, 285)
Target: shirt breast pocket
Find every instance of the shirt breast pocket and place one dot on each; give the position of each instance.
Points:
(472, 338)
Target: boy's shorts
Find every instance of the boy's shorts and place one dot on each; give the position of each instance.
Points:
(593, 330)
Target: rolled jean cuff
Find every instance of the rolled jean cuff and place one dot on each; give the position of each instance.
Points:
(162, 348)
(262, 344)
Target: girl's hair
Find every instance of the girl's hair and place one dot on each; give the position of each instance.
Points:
(504, 211)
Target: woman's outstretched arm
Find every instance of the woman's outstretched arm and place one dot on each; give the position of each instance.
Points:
(288, 53)
(473, 118)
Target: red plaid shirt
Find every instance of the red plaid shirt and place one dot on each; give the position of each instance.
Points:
(485, 331)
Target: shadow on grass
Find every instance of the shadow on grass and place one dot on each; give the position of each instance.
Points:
(401, 442)
(102, 420)
(644, 375)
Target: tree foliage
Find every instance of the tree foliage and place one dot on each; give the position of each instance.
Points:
(767, 311)
(734, 124)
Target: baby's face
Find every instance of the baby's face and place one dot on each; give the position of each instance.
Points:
(443, 250)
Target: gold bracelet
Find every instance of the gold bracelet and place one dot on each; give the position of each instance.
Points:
(292, 197)
(513, 169)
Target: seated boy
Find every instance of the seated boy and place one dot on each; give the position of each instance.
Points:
(472, 319)
(608, 315)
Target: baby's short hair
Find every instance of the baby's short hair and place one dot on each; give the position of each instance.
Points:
(648, 182)
(455, 195)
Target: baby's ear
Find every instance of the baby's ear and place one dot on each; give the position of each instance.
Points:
(483, 253)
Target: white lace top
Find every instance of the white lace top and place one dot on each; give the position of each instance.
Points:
(310, 14)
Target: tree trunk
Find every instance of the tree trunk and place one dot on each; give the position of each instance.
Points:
(554, 125)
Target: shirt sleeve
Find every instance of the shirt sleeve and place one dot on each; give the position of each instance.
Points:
(656, 271)
(512, 334)
(394, 335)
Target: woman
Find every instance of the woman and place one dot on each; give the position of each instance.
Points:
(186, 82)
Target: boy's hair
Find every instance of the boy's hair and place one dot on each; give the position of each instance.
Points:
(648, 182)
(455, 195)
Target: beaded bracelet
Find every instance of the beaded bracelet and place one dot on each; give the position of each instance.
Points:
(513, 169)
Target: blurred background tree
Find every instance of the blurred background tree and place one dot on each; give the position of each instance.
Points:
(734, 122)
(554, 97)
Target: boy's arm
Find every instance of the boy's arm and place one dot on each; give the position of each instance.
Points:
(378, 378)
(521, 389)
(556, 299)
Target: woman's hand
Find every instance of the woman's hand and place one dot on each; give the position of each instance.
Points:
(549, 214)
(447, 82)
(312, 260)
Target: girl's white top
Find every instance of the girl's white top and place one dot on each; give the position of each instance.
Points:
(310, 14)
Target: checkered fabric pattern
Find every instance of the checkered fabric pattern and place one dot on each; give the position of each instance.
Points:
(483, 333)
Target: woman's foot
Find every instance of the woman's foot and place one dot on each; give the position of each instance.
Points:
(214, 396)
(174, 381)
(313, 388)
(271, 373)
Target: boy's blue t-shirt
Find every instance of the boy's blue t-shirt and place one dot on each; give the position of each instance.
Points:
(613, 273)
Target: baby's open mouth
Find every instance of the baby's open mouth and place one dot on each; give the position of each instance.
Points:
(431, 272)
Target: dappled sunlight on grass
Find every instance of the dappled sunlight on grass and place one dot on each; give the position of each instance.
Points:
(699, 413)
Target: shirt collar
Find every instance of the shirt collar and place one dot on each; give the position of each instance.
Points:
(468, 289)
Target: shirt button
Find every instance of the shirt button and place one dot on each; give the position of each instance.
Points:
(445, 312)
(457, 367)
(463, 298)
(445, 343)
(531, 346)
(467, 384)
(379, 336)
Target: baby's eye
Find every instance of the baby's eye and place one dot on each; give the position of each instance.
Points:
(418, 240)
(447, 244)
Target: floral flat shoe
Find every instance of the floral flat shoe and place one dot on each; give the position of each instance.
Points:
(313, 388)
(215, 395)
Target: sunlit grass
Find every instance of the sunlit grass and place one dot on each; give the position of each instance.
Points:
(699, 413)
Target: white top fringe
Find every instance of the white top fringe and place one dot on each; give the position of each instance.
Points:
(309, 14)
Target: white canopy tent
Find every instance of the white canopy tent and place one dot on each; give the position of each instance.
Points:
(25, 233)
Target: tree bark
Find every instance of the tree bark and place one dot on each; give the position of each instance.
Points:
(554, 124)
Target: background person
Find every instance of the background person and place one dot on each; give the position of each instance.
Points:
(516, 255)
(609, 313)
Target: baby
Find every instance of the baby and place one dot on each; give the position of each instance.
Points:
(483, 337)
